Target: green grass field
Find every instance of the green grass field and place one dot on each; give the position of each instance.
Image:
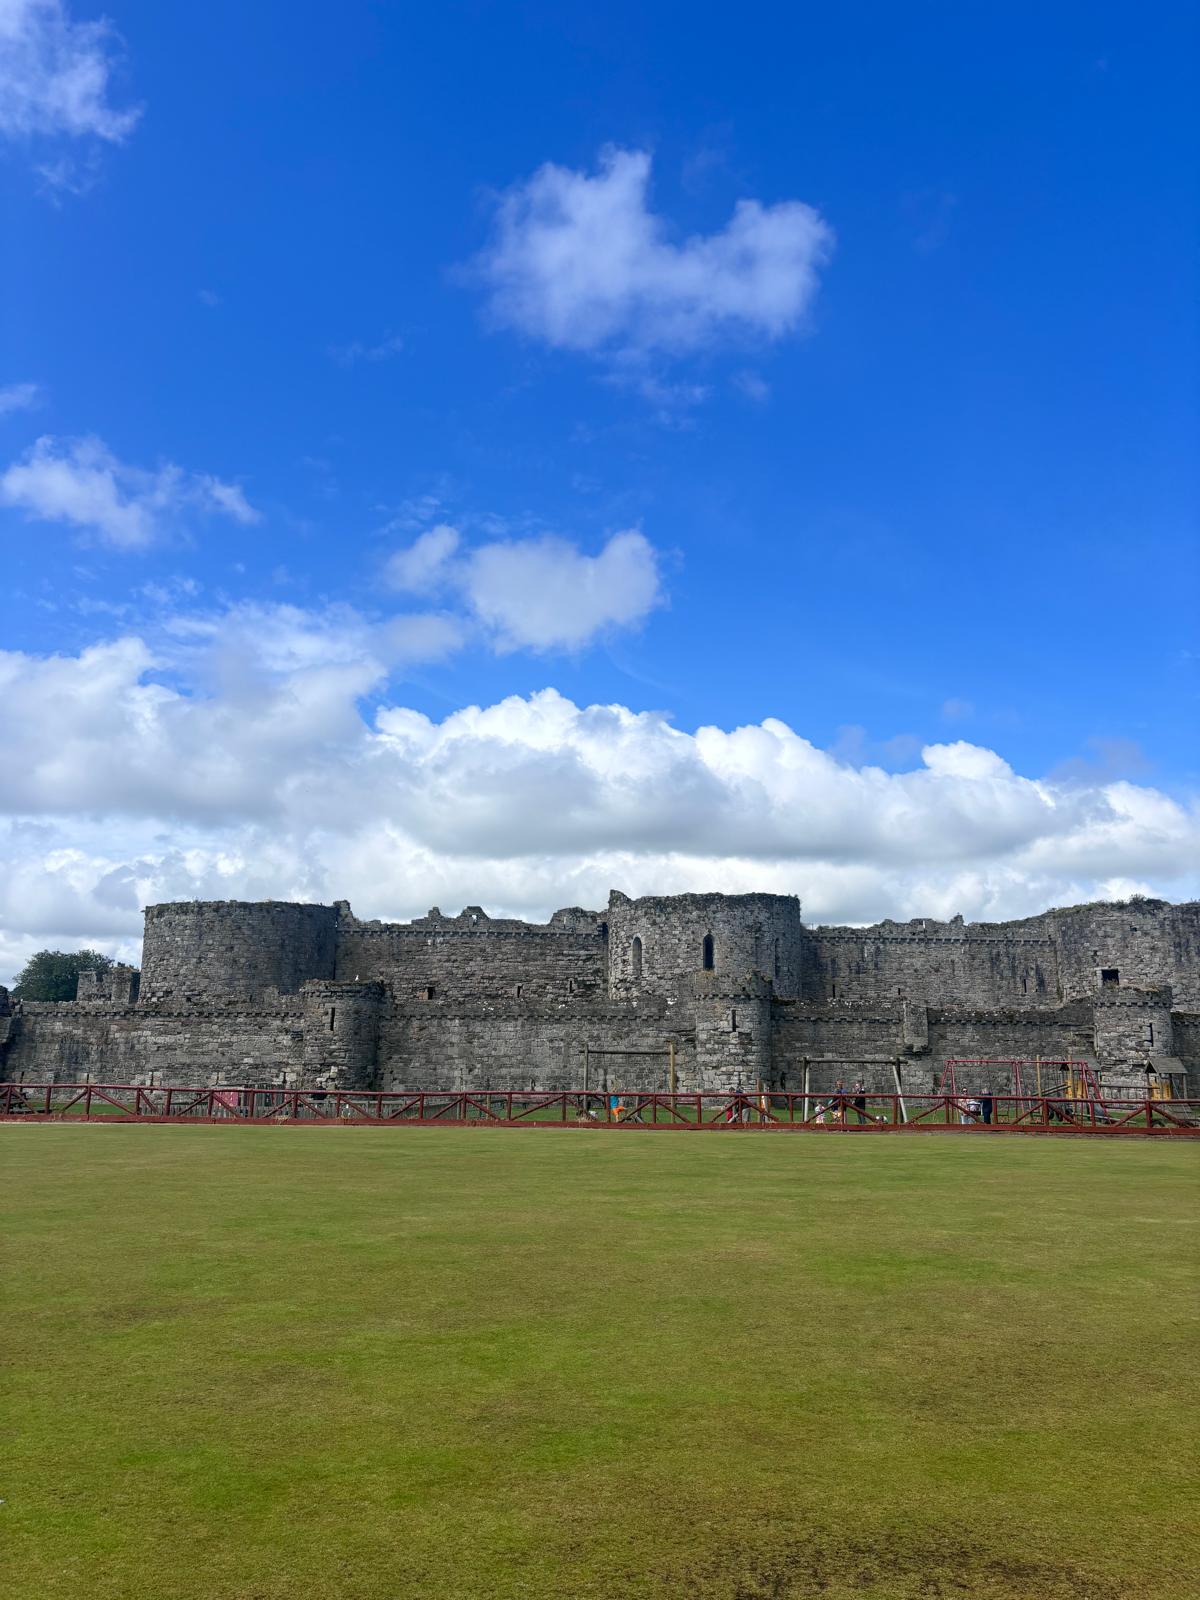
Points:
(285, 1364)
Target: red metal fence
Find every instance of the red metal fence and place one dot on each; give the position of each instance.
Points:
(832, 1112)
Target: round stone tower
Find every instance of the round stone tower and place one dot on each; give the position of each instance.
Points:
(657, 943)
(235, 947)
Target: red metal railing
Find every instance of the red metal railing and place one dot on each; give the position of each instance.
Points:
(839, 1111)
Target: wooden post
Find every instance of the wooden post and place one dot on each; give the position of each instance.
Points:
(671, 1077)
(899, 1092)
(804, 1118)
(587, 1066)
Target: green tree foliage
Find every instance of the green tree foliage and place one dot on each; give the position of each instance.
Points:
(53, 974)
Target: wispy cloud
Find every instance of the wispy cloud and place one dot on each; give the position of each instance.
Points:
(19, 396)
(348, 355)
(80, 481)
(580, 262)
(55, 74)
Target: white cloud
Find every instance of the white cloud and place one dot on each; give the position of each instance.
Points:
(256, 770)
(544, 594)
(347, 355)
(80, 481)
(423, 565)
(54, 74)
(535, 594)
(581, 263)
(19, 396)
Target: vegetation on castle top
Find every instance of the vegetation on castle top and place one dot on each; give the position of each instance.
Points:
(54, 974)
(380, 1365)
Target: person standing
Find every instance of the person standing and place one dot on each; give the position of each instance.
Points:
(837, 1101)
(860, 1101)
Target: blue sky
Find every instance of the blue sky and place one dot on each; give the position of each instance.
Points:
(833, 369)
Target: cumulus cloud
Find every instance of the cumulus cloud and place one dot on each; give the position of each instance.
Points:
(535, 594)
(80, 481)
(55, 74)
(580, 262)
(250, 757)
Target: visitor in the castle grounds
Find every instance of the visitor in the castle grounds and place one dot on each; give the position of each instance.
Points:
(860, 1100)
(837, 1101)
(985, 1106)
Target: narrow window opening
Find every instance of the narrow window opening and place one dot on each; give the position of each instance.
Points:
(833, 991)
(637, 959)
(518, 990)
(708, 952)
(570, 985)
(1024, 985)
(733, 1022)
(332, 1014)
(1110, 977)
(1150, 1031)
(427, 993)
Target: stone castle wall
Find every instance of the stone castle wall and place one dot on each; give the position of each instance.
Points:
(272, 994)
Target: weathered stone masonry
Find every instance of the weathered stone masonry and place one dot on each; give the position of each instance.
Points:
(729, 987)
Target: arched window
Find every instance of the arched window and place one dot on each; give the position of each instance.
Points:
(637, 958)
(708, 952)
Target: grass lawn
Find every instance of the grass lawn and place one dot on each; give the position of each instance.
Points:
(285, 1364)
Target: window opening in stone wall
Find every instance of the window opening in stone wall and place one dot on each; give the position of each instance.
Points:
(833, 991)
(427, 993)
(637, 958)
(733, 1022)
(332, 1014)
(518, 990)
(1110, 977)
(1150, 1033)
(570, 985)
(1024, 985)
(707, 956)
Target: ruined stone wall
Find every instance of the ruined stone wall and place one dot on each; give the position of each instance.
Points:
(231, 947)
(64, 1042)
(860, 1033)
(474, 956)
(1149, 942)
(509, 1044)
(1002, 1034)
(839, 1030)
(943, 963)
(655, 943)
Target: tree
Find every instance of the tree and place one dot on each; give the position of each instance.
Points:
(54, 974)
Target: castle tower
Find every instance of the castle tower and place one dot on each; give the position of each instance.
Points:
(235, 948)
(341, 1033)
(657, 943)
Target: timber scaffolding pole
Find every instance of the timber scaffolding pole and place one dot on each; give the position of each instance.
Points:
(227, 1105)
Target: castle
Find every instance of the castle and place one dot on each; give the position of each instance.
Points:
(700, 991)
